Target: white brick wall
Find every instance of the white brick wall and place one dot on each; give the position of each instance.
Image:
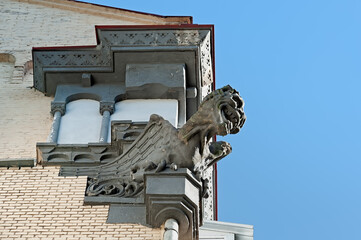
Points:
(37, 204)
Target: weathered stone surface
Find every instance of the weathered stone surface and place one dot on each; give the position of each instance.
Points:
(38, 204)
(174, 195)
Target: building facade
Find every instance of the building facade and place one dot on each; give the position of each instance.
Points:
(37, 203)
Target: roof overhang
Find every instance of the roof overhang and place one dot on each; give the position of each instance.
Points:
(119, 46)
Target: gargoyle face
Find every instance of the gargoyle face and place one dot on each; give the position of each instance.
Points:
(230, 106)
(220, 113)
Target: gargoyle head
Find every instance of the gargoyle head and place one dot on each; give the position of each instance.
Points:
(225, 107)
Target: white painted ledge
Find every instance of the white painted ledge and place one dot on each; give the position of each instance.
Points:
(212, 230)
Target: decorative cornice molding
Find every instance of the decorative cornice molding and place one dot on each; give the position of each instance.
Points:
(100, 57)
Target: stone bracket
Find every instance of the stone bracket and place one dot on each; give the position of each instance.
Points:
(17, 162)
(86, 80)
(168, 194)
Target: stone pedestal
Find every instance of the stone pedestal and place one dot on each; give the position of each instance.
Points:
(176, 195)
(167, 195)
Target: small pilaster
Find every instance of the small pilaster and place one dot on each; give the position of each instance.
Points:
(58, 110)
(106, 109)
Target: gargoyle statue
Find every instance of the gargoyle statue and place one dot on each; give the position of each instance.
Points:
(162, 146)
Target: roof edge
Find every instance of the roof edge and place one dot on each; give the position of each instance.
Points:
(128, 27)
(111, 12)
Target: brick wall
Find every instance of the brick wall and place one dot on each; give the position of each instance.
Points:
(37, 204)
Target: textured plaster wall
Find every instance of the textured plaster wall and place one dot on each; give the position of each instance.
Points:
(24, 25)
(24, 116)
(37, 204)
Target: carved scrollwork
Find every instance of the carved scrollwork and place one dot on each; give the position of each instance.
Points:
(113, 188)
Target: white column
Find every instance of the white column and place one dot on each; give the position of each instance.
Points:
(104, 127)
(54, 130)
(171, 230)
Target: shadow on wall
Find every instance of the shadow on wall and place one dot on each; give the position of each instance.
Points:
(6, 57)
(12, 71)
(7, 64)
(28, 67)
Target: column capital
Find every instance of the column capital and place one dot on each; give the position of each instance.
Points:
(106, 106)
(58, 107)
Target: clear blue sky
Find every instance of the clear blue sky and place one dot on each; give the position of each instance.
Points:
(295, 169)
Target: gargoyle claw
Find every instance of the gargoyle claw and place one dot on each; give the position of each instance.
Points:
(174, 167)
(150, 166)
(161, 166)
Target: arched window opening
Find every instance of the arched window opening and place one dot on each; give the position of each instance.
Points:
(81, 123)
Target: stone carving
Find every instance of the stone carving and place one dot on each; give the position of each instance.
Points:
(208, 203)
(154, 37)
(162, 146)
(206, 61)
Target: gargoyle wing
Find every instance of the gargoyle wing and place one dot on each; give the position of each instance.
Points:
(144, 146)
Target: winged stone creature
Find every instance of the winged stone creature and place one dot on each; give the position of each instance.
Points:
(162, 146)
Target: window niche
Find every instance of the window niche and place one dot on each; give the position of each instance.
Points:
(95, 122)
(81, 123)
(98, 120)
